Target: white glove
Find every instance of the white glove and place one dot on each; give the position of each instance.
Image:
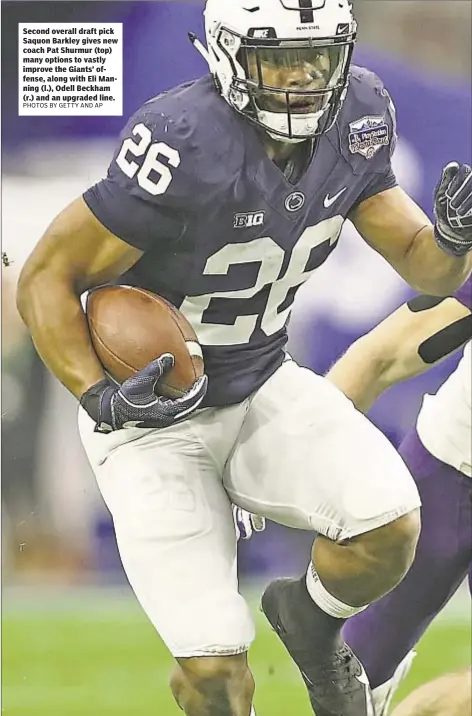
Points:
(246, 523)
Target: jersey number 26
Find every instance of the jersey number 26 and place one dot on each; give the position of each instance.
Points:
(153, 176)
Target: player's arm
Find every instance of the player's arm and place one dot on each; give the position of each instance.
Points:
(432, 259)
(419, 334)
(76, 253)
(138, 207)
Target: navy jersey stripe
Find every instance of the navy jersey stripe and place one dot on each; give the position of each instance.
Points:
(306, 11)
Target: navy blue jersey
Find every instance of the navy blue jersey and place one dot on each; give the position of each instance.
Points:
(226, 237)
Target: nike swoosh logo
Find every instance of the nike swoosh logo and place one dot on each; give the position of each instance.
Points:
(364, 680)
(328, 200)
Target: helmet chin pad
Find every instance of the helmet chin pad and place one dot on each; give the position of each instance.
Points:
(303, 126)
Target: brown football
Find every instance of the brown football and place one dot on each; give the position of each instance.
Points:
(131, 327)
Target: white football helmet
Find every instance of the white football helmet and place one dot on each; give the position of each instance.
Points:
(284, 64)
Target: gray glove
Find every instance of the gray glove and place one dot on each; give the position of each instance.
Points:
(134, 403)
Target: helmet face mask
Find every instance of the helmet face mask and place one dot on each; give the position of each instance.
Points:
(294, 79)
(292, 86)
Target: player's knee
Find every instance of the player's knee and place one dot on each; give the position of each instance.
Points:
(402, 538)
(210, 668)
(215, 678)
(391, 548)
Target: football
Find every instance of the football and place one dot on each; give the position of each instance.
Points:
(130, 327)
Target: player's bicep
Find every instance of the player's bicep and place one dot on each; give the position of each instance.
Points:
(389, 222)
(420, 333)
(79, 249)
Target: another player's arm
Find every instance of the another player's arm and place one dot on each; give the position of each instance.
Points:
(408, 342)
(76, 253)
(394, 225)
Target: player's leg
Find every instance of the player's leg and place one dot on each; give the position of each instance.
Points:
(308, 459)
(216, 686)
(384, 634)
(177, 542)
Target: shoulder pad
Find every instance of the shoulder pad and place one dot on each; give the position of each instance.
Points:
(177, 148)
(367, 123)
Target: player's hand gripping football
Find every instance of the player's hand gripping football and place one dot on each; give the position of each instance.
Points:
(134, 403)
(453, 209)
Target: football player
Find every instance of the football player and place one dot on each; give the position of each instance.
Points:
(438, 452)
(224, 195)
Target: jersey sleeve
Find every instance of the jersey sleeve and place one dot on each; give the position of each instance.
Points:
(149, 192)
(377, 184)
(464, 294)
(371, 134)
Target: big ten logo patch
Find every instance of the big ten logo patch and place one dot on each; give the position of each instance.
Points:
(246, 220)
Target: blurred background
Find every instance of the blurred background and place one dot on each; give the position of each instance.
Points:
(61, 570)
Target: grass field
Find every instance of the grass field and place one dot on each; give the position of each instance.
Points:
(95, 654)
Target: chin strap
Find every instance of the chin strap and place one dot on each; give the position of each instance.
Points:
(199, 47)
